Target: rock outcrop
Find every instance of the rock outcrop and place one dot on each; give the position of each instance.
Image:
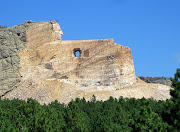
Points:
(12, 40)
(158, 80)
(35, 62)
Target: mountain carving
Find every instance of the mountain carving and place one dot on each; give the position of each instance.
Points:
(35, 62)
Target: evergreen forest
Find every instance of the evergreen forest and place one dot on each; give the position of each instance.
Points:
(113, 115)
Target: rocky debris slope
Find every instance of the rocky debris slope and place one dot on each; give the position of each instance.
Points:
(64, 91)
(48, 68)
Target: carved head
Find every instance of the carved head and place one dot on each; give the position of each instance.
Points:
(58, 31)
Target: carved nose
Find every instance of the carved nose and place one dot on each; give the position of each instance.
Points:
(61, 32)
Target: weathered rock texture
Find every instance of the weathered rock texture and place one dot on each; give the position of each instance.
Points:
(13, 40)
(45, 68)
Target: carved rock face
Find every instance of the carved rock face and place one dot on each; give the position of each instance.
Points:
(50, 69)
(57, 31)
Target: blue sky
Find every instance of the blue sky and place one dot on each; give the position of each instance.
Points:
(151, 28)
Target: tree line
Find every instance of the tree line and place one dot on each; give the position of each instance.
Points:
(79, 115)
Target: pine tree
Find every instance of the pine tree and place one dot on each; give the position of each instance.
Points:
(171, 112)
(175, 93)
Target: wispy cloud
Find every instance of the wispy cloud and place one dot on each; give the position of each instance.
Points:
(176, 57)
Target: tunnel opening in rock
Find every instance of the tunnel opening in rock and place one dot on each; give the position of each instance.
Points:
(77, 52)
